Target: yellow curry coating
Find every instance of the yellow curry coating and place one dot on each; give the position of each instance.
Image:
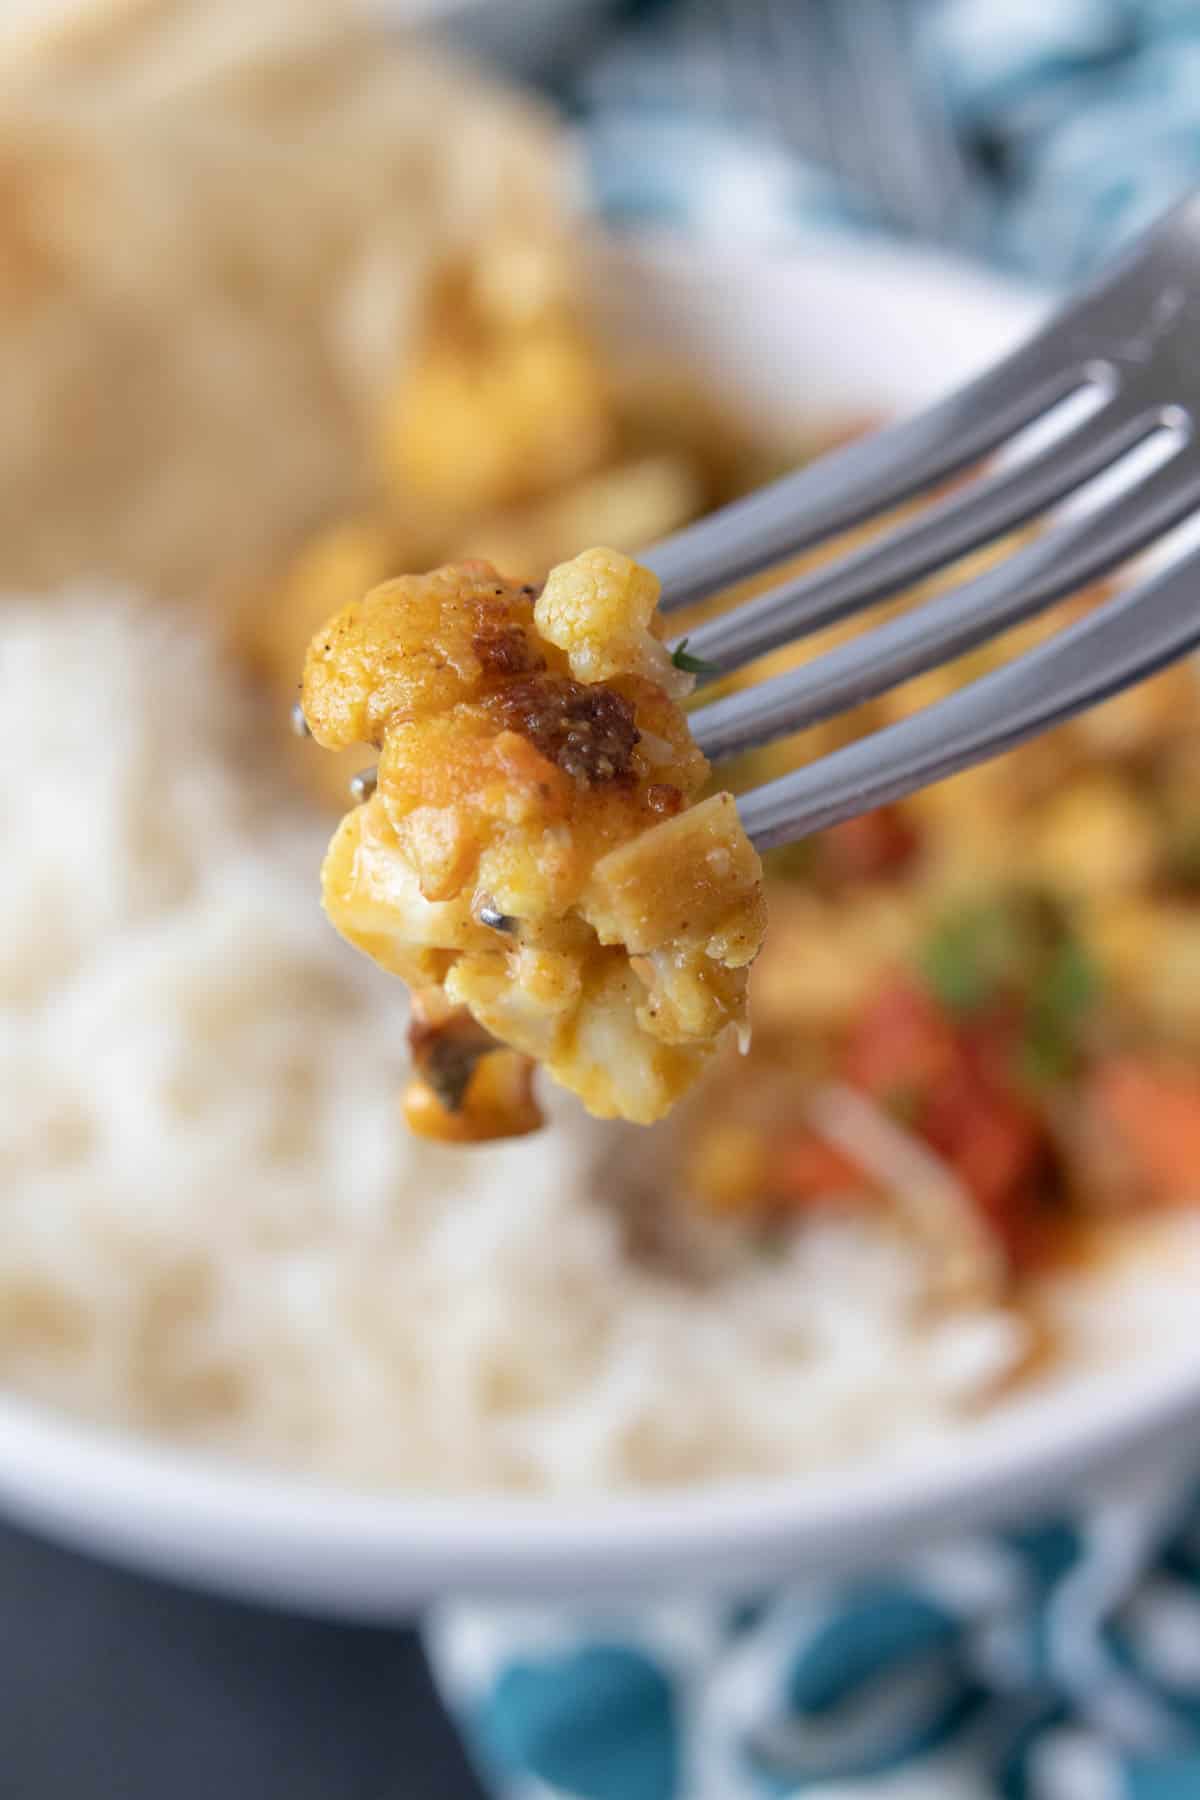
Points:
(533, 849)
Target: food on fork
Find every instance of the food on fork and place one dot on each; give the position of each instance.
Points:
(660, 453)
(534, 858)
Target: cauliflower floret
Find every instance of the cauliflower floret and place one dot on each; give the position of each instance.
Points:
(504, 397)
(415, 645)
(531, 861)
(601, 609)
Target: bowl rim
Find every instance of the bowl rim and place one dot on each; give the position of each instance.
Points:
(301, 1540)
(307, 1542)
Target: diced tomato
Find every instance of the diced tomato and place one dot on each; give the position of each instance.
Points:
(902, 1047)
(804, 1167)
(873, 844)
(996, 1144)
(953, 1087)
(1155, 1112)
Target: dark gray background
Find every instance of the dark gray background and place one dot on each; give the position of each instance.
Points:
(115, 1687)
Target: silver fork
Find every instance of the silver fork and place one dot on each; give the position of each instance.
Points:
(1125, 355)
(1125, 358)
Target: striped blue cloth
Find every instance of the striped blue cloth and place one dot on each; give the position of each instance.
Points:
(1060, 1662)
(1057, 1663)
(1037, 133)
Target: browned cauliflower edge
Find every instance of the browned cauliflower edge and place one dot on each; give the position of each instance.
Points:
(535, 861)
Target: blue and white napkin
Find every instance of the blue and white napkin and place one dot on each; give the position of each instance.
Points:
(1061, 1662)
(1062, 126)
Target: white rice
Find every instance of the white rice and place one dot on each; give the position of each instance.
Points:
(214, 1227)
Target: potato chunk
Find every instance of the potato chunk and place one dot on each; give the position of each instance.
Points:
(696, 876)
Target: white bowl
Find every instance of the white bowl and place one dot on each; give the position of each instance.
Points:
(827, 328)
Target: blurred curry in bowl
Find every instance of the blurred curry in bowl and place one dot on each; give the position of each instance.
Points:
(285, 315)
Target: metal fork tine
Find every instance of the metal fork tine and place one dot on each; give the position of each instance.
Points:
(962, 521)
(1130, 637)
(956, 621)
(869, 476)
(1116, 324)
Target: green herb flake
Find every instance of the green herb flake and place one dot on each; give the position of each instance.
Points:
(1064, 992)
(792, 862)
(691, 665)
(970, 956)
(1181, 857)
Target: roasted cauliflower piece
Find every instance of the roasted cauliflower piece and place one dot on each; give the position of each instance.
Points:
(506, 394)
(533, 854)
(466, 1088)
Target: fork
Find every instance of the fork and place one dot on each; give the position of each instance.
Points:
(1119, 370)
